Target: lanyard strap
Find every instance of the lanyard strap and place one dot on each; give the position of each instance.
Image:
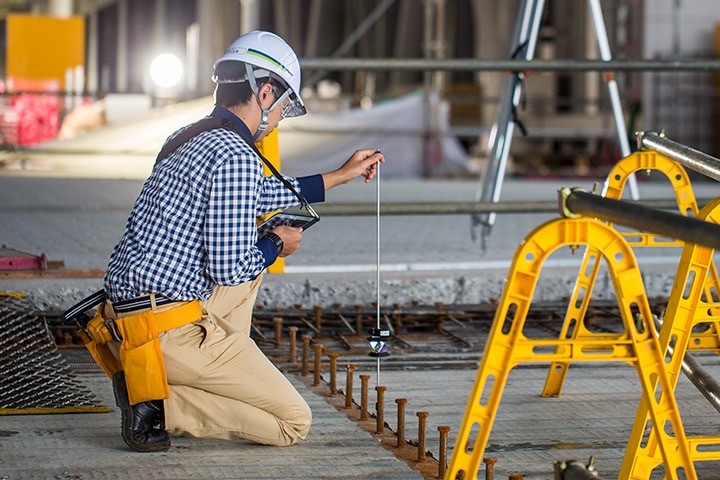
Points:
(211, 123)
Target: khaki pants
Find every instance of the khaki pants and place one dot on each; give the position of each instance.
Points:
(221, 384)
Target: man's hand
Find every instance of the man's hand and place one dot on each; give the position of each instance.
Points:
(361, 163)
(291, 237)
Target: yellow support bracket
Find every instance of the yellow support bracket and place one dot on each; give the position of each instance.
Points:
(574, 324)
(507, 346)
(270, 148)
(687, 307)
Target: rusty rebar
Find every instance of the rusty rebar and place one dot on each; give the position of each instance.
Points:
(380, 409)
(401, 402)
(318, 364)
(358, 318)
(350, 376)
(317, 309)
(490, 467)
(333, 372)
(364, 381)
(443, 462)
(292, 357)
(305, 355)
(422, 422)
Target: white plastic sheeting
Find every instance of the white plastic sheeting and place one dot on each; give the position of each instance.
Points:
(314, 143)
(320, 142)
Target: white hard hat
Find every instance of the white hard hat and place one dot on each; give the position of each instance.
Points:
(270, 56)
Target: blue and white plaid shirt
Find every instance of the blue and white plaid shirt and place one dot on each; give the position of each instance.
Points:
(193, 225)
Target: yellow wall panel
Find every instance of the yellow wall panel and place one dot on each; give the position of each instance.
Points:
(43, 47)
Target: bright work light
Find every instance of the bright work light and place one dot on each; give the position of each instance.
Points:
(166, 70)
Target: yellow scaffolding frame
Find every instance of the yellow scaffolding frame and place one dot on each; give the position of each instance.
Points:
(574, 325)
(688, 306)
(507, 346)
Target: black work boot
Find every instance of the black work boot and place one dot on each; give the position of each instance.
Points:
(139, 421)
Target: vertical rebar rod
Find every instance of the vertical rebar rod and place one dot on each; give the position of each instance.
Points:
(422, 422)
(349, 385)
(364, 379)
(490, 467)
(305, 355)
(401, 402)
(278, 331)
(318, 364)
(292, 356)
(333, 373)
(443, 461)
(380, 409)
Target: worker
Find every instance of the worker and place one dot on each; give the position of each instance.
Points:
(182, 281)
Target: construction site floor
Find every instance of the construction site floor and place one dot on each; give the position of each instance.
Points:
(424, 258)
(592, 418)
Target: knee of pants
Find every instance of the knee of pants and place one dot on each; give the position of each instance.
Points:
(299, 427)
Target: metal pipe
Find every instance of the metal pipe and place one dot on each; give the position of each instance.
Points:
(697, 375)
(689, 157)
(474, 65)
(459, 208)
(634, 215)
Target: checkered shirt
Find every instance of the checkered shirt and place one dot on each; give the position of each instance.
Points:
(193, 225)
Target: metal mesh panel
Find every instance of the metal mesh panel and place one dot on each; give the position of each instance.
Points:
(34, 377)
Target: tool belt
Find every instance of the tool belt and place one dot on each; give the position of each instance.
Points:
(140, 354)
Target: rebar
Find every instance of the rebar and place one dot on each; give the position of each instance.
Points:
(490, 467)
(292, 357)
(318, 364)
(443, 454)
(401, 403)
(278, 332)
(305, 355)
(380, 409)
(317, 309)
(349, 385)
(364, 381)
(333, 373)
(422, 422)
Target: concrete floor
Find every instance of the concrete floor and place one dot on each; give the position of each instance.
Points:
(426, 259)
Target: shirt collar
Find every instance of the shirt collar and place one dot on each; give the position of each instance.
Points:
(222, 112)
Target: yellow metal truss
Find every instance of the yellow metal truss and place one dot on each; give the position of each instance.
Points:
(688, 306)
(574, 325)
(507, 346)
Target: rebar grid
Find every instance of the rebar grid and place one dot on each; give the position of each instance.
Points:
(33, 374)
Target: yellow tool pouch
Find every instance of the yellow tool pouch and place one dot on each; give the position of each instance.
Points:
(100, 350)
(140, 353)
